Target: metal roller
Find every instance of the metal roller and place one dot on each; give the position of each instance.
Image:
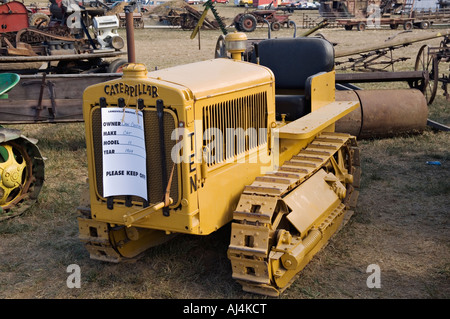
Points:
(384, 113)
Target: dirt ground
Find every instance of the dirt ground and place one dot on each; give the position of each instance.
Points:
(400, 226)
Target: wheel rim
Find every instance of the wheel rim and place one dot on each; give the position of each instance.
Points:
(276, 26)
(15, 166)
(428, 64)
(248, 23)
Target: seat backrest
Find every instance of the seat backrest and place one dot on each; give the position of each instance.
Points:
(293, 60)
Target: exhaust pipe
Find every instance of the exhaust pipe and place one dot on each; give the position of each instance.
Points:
(129, 25)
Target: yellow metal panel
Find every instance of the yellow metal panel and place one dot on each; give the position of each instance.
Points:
(322, 90)
(310, 201)
(178, 102)
(311, 124)
(219, 194)
(196, 76)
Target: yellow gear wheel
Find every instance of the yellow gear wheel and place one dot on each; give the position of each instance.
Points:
(13, 174)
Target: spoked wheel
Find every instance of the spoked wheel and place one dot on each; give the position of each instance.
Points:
(21, 176)
(429, 65)
(15, 167)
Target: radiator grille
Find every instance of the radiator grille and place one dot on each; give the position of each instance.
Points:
(234, 127)
(152, 143)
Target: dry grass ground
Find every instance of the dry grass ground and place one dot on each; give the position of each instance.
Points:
(401, 223)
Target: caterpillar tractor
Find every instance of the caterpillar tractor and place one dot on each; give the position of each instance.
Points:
(175, 151)
(21, 164)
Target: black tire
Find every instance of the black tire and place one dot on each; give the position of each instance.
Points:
(275, 26)
(393, 26)
(116, 66)
(348, 27)
(39, 20)
(424, 25)
(238, 26)
(408, 25)
(248, 23)
(361, 26)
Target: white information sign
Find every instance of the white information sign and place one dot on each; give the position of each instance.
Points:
(124, 157)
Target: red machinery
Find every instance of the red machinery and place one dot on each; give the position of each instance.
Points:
(248, 20)
(13, 17)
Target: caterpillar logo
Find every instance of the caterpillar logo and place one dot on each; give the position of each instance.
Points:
(131, 90)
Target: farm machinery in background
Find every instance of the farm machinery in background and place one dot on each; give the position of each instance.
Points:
(61, 45)
(393, 13)
(187, 17)
(249, 19)
(374, 62)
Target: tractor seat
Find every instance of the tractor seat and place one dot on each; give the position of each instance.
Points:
(294, 62)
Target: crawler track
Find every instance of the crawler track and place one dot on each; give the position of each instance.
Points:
(273, 237)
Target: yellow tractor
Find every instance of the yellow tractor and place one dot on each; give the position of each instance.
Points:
(194, 147)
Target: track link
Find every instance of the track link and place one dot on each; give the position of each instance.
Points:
(272, 236)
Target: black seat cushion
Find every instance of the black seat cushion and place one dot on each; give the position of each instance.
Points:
(293, 60)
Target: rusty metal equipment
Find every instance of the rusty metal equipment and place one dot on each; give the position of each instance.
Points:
(361, 14)
(39, 16)
(58, 47)
(379, 57)
(384, 113)
(209, 5)
(138, 20)
(191, 18)
(248, 20)
(55, 98)
(187, 17)
(13, 16)
(48, 98)
(428, 60)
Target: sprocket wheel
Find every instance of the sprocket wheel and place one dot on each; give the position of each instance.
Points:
(21, 176)
(14, 170)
